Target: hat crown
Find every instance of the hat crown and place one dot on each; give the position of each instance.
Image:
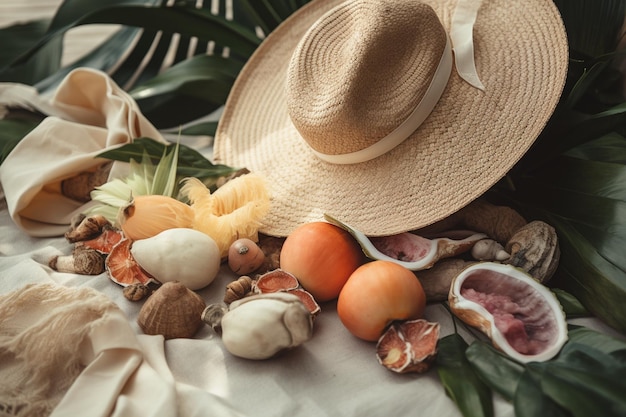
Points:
(360, 71)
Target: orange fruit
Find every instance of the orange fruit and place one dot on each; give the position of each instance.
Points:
(375, 295)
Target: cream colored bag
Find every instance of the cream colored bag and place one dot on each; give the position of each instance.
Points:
(90, 114)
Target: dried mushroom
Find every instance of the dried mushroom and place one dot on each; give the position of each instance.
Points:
(82, 261)
(522, 317)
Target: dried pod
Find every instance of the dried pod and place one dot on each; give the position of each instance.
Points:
(238, 289)
(173, 311)
(245, 256)
(136, 292)
(260, 326)
(88, 228)
(522, 317)
(535, 249)
(410, 250)
(105, 241)
(279, 280)
(81, 261)
(122, 267)
(408, 346)
(307, 299)
(436, 280)
(489, 250)
(276, 280)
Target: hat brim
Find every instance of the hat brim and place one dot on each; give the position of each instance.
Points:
(468, 143)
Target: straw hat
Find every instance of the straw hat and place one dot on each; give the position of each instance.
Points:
(356, 109)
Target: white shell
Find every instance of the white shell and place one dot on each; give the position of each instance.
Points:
(525, 306)
(439, 248)
(180, 254)
(259, 326)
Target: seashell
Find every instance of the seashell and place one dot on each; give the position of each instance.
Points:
(522, 317)
(173, 311)
(489, 250)
(408, 249)
(408, 346)
(535, 249)
(260, 326)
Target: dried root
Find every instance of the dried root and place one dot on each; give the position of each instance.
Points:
(80, 186)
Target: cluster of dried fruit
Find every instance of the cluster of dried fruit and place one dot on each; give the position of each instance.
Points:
(158, 267)
(492, 277)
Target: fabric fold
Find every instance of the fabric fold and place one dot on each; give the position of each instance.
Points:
(94, 114)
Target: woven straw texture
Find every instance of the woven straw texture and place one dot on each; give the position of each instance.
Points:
(469, 142)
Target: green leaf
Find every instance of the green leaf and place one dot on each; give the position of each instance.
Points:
(530, 400)
(471, 395)
(18, 38)
(164, 182)
(584, 385)
(195, 87)
(495, 368)
(592, 26)
(602, 342)
(190, 162)
(598, 283)
(11, 133)
(571, 305)
(183, 20)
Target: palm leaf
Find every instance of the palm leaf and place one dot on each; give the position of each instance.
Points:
(574, 176)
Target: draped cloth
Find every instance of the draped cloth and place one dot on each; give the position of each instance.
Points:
(88, 114)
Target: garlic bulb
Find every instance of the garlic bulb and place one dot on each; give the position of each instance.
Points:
(260, 326)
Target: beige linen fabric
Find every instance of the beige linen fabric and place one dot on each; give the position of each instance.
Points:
(71, 351)
(91, 114)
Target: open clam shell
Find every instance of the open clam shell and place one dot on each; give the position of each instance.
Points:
(407, 249)
(522, 317)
